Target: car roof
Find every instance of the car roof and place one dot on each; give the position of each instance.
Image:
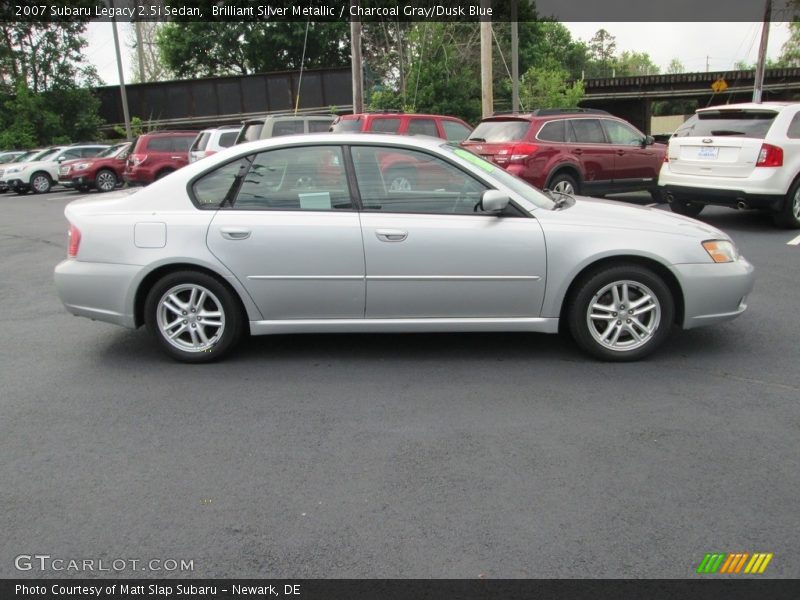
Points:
(326, 138)
(748, 106)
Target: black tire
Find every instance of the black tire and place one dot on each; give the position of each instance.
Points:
(657, 194)
(788, 217)
(685, 208)
(563, 182)
(41, 183)
(595, 289)
(106, 180)
(221, 338)
(401, 180)
(82, 188)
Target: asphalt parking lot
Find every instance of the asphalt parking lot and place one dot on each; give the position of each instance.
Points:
(410, 456)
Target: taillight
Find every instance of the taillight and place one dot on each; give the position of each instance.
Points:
(770, 156)
(522, 151)
(74, 236)
(138, 159)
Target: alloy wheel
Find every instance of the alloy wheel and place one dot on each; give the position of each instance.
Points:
(190, 318)
(623, 315)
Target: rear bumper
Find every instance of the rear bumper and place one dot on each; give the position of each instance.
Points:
(725, 197)
(714, 292)
(99, 291)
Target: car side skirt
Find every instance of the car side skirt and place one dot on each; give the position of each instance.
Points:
(537, 324)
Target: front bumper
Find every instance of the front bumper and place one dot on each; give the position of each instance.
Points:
(99, 291)
(714, 292)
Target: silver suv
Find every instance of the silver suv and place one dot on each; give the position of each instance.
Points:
(276, 125)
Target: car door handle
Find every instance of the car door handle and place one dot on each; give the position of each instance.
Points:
(235, 233)
(391, 235)
(620, 152)
(177, 157)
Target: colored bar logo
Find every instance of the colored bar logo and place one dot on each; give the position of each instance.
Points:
(734, 562)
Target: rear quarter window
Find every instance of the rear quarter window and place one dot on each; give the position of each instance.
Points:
(552, 131)
(733, 123)
(346, 125)
(202, 141)
(794, 127)
(381, 125)
(227, 139)
(318, 126)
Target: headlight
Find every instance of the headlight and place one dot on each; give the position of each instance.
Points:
(14, 170)
(721, 251)
(81, 166)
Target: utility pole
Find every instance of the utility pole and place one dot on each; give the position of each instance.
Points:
(758, 85)
(122, 91)
(487, 98)
(355, 62)
(140, 51)
(514, 58)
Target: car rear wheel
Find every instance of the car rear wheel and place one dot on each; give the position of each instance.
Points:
(789, 216)
(41, 183)
(621, 313)
(194, 318)
(106, 180)
(685, 208)
(564, 184)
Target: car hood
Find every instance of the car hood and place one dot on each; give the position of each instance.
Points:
(611, 215)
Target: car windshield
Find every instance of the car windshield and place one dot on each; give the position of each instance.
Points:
(113, 150)
(734, 123)
(514, 183)
(26, 156)
(44, 154)
(499, 131)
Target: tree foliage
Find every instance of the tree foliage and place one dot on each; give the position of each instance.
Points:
(206, 49)
(44, 85)
(548, 86)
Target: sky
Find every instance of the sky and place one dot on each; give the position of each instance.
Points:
(691, 43)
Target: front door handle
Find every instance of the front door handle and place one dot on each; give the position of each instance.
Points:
(391, 235)
(235, 233)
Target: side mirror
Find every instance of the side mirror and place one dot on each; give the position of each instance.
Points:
(493, 201)
(648, 140)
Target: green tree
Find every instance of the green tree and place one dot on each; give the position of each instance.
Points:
(602, 50)
(630, 64)
(790, 51)
(206, 49)
(548, 86)
(675, 67)
(44, 85)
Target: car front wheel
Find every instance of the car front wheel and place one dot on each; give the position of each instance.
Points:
(41, 183)
(621, 313)
(106, 181)
(193, 317)
(789, 216)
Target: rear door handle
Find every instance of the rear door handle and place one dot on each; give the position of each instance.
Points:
(235, 233)
(391, 235)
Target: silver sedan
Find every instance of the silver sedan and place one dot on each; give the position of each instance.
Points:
(305, 234)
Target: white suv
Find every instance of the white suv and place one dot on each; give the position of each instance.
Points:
(737, 155)
(41, 172)
(211, 141)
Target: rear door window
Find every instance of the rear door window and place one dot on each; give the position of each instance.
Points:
(588, 131)
(159, 144)
(287, 127)
(422, 127)
(383, 125)
(733, 123)
(318, 126)
(181, 143)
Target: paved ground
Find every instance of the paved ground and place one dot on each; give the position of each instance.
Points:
(396, 455)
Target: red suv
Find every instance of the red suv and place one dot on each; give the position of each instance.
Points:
(155, 155)
(575, 151)
(447, 128)
(103, 171)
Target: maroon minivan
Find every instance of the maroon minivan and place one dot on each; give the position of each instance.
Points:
(575, 151)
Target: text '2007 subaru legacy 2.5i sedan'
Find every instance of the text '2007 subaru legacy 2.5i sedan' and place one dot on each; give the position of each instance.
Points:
(302, 234)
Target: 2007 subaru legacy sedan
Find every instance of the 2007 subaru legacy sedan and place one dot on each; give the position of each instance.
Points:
(303, 234)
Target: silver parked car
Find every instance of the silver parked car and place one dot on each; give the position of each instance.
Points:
(301, 234)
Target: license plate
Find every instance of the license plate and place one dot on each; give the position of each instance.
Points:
(708, 152)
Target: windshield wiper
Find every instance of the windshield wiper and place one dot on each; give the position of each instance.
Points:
(563, 199)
